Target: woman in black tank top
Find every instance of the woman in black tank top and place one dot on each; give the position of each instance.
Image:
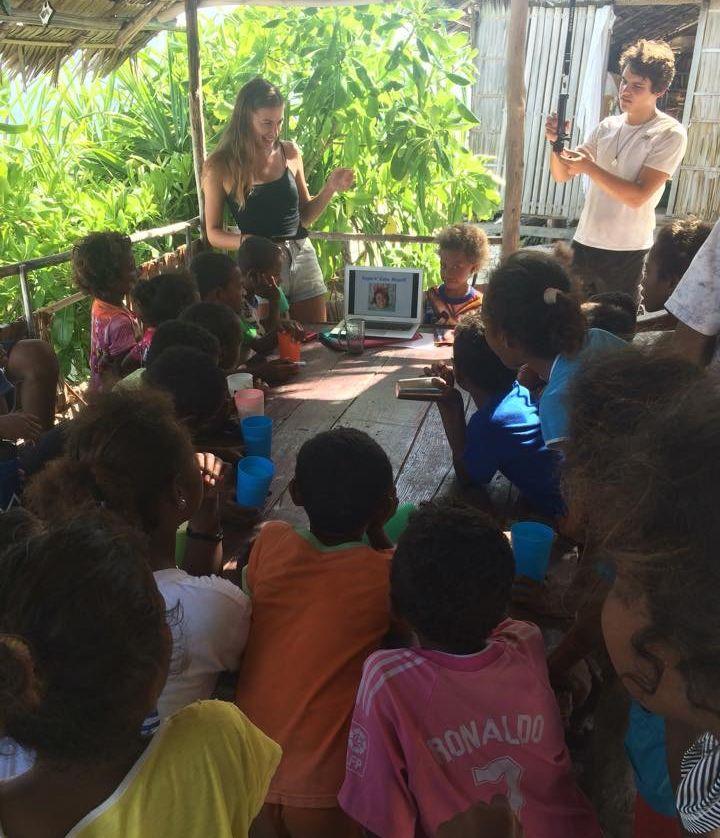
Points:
(261, 179)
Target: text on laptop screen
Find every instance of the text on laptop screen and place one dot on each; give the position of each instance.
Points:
(377, 293)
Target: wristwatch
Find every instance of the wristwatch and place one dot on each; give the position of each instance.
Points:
(214, 538)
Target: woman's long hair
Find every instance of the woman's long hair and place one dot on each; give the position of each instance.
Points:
(236, 149)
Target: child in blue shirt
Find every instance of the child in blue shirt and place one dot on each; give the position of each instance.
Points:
(504, 433)
(533, 318)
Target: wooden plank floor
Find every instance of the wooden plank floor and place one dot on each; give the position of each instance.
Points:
(335, 389)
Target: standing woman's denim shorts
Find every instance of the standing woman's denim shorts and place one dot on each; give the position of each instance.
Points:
(301, 277)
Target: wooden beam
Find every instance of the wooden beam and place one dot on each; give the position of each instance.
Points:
(132, 27)
(87, 24)
(68, 45)
(515, 137)
(197, 121)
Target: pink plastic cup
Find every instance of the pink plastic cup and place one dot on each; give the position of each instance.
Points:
(250, 402)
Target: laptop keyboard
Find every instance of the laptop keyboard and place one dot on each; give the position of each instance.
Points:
(387, 327)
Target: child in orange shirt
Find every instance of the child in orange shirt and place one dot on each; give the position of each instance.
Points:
(320, 607)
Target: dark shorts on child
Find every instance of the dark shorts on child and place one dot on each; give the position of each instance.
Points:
(608, 270)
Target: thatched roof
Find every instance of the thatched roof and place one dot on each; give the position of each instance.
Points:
(107, 31)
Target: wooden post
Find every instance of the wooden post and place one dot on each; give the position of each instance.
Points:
(197, 122)
(515, 136)
(27, 301)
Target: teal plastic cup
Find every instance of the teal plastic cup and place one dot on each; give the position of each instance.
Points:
(531, 545)
(397, 525)
(257, 435)
(254, 475)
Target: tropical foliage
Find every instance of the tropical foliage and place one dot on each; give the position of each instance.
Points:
(378, 88)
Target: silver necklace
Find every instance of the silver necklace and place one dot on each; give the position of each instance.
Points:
(619, 148)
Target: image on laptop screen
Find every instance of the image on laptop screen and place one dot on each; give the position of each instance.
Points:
(377, 293)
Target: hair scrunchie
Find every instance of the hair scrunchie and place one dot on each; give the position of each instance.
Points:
(550, 296)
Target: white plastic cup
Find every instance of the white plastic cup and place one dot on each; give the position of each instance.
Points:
(239, 381)
(249, 402)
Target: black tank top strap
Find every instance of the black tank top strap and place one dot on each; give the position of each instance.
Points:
(271, 209)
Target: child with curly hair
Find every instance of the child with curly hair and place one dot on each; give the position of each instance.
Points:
(467, 711)
(127, 453)
(84, 653)
(660, 531)
(463, 251)
(103, 267)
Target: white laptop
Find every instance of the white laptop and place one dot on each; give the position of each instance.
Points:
(389, 300)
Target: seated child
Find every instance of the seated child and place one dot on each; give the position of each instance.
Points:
(532, 317)
(220, 280)
(320, 606)
(168, 334)
(29, 374)
(260, 262)
(504, 432)
(83, 655)
(467, 712)
(194, 382)
(104, 268)
(613, 311)
(207, 314)
(463, 251)
(158, 299)
(675, 247)
(221, 322)
(127, 452)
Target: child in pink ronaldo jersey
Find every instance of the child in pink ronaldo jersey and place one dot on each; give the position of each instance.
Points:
(468, 712)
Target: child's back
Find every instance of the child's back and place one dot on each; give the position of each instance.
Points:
(461, 727)
(320, 606)
(469, 712)
(318, 612)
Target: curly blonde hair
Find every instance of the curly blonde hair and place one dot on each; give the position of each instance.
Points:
(652, 60)
(468, 238)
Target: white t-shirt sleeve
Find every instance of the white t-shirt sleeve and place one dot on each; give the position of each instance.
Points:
(228, 618)
(668, 150)
(696, 299)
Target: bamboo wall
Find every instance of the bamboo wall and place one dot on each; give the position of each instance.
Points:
(545, 47)
(696, 188)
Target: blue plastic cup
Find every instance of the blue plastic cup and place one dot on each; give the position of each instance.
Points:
(531, 544)
(254, 475)
(257, 435)
(9, 484)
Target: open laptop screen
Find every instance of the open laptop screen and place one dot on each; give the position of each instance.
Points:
(379, 293)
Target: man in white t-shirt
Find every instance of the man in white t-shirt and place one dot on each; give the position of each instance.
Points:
(628, 159)
(696, 304)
